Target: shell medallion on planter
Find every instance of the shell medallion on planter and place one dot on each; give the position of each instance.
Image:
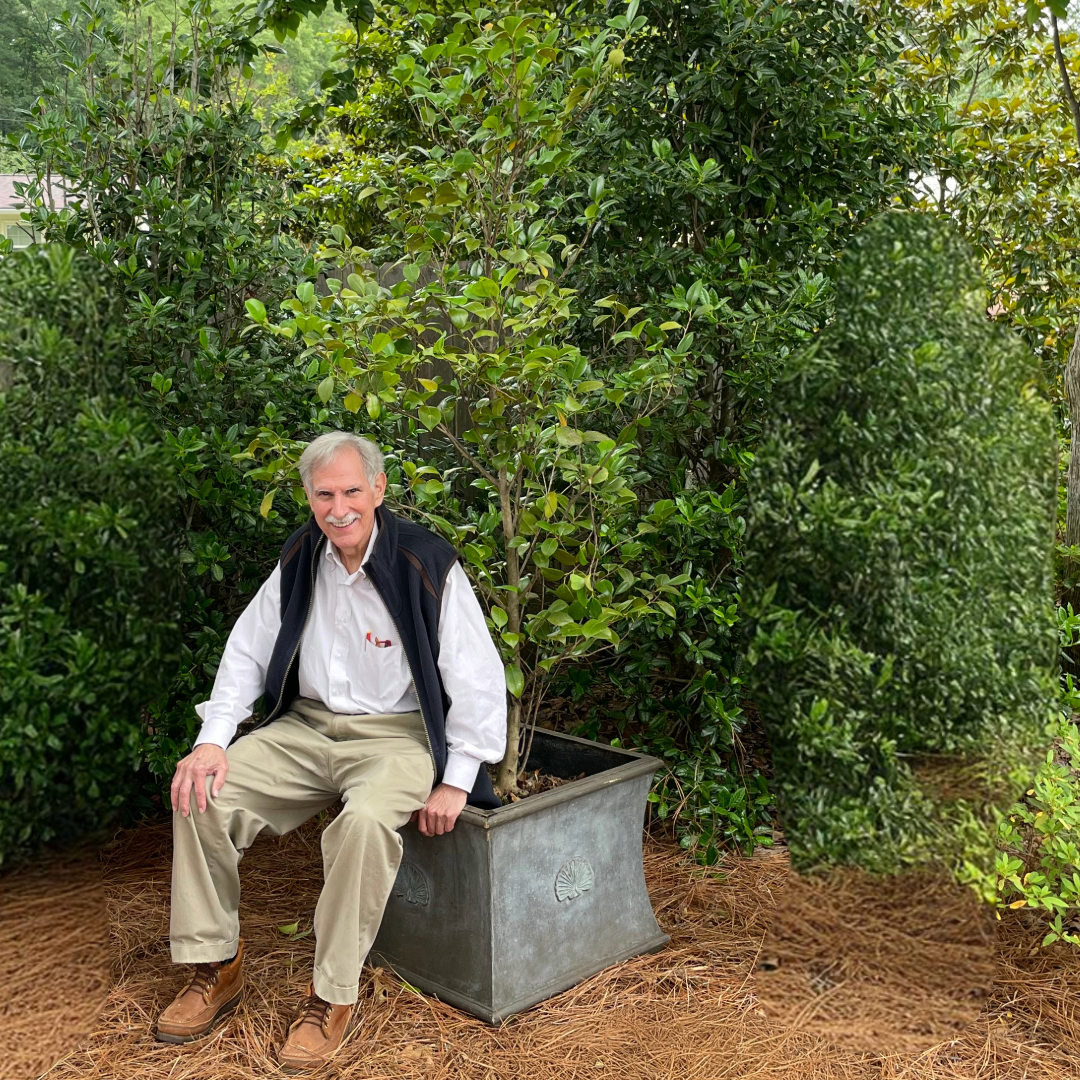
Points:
(412, 885)
(575, 877)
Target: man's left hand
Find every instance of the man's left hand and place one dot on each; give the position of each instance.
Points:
(441, 810)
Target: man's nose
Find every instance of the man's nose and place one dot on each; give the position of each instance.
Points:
(341, 505)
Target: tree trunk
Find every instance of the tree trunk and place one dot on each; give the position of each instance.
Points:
(506, 777)
(1071, 569)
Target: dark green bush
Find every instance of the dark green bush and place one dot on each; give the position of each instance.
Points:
(87, 553)
(898, 563)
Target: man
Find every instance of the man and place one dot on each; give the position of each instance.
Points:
(382, 688)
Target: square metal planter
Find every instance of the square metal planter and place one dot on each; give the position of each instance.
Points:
(519, 903)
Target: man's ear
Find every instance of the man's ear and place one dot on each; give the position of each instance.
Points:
(379, 488)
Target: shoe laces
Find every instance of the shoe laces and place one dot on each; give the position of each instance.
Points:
(204, 980)
(313, 1010)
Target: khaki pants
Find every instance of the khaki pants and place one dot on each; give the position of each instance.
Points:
(280, 776)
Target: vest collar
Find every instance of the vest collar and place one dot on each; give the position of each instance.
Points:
(384, 554)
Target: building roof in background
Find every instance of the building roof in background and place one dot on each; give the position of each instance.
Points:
(9, 200)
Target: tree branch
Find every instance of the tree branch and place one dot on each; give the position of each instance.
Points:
(1066, 82)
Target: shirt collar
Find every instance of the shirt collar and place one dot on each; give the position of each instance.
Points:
(334, 557)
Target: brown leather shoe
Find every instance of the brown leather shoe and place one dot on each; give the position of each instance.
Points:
(211, 994)
(315, 1034)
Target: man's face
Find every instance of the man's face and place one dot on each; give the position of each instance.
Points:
(343, 501)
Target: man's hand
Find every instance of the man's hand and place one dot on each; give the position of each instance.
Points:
(441, 810)
(192, 771)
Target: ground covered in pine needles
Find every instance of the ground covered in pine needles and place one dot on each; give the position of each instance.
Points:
(55, 959)
(690, 1011)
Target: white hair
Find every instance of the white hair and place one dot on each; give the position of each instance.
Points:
(322, 451)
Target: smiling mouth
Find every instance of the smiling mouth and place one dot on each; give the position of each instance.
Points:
(348, 523)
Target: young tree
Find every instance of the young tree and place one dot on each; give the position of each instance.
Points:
(473, 346)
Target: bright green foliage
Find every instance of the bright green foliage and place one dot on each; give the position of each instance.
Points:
(185, 245)
(1007, 170)
(87, 553)
(540, 497)
(24, 61)
(740, 143)
(898, 563)
(1038, 858)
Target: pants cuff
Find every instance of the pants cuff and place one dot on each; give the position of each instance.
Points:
(335, 994)
(203, 954)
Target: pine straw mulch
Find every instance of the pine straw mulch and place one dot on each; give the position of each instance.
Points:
(893, 965)
(54, 958)
(689, 1011)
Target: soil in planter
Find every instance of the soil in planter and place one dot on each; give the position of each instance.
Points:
(884, 966)
(533, 782)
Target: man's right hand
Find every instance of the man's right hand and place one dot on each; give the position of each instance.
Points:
(192, 771)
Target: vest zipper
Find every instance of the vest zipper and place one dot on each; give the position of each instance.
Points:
(404, 652)
(296, 651)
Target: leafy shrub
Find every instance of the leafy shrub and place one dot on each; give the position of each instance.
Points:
(898, 563)
(87, 553)
(183, 245)
(1038, 857)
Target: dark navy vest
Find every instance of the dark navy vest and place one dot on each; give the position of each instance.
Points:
(408, 568)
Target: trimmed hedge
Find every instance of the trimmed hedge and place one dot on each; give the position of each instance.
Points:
(87, 554)
(899, 563)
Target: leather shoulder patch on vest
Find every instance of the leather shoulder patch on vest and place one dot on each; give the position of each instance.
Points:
(292, 551)
(419, 567)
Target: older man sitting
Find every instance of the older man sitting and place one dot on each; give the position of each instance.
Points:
(382, 688)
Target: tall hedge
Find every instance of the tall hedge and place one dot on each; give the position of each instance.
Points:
(87, 553)
(898, 562)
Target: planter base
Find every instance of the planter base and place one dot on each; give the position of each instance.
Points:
(522, 902)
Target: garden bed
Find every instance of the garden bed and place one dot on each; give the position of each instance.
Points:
(689, 1011)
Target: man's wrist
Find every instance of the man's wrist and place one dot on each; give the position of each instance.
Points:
(218, 743)
(460, 771)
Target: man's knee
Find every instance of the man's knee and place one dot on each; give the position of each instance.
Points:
(214, 818)
(366, 815)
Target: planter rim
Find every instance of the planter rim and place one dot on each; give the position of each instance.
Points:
(638, 765)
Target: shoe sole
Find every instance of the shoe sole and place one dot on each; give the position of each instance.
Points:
(292, 1070)
(222, 1014)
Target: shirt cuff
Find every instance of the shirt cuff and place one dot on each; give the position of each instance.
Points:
(461, 770)
(218, 732)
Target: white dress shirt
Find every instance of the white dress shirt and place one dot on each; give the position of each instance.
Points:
(342, 666)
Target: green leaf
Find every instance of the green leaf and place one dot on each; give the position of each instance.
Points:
(289, 929)
(256, 310)
(325, 389)
(430, 417)
(568, 436)
(515, 681)
(267, 502)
